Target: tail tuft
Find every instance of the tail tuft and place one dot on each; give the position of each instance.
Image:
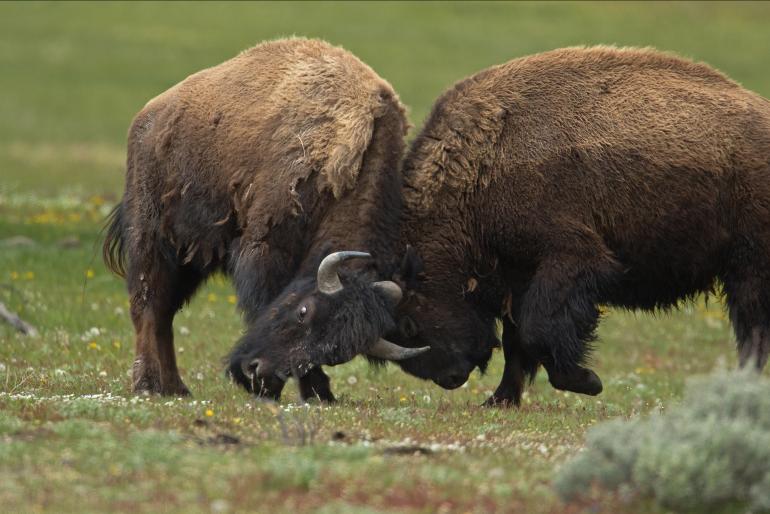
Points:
(114, 250)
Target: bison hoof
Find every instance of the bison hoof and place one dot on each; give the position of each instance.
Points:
(582, 381)
(267, 389)
(153, 387)
(321, 394)
(147, 380)
(176, 389)
(500, 402)
(327, 398)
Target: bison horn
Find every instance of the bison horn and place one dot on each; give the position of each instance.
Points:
(384, 349)
(328, 280)
(390, 289)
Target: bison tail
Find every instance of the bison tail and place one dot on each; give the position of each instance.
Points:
(114, 248)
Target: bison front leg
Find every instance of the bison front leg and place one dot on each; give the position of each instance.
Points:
(519, 369)
(315, 385)
(559, 312)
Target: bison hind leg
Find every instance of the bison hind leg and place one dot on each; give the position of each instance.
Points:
(755, 349)
(748, 300)
(158, 288)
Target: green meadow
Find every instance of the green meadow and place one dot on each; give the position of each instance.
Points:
(74, 439)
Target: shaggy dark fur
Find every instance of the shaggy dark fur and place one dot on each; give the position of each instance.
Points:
(255, 167)
(551, 184)
(356, 315)
(584, 177)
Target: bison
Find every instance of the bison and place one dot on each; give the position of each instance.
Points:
(539, 190)
(254, 168)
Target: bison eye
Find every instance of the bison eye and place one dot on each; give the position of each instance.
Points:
(301, 312)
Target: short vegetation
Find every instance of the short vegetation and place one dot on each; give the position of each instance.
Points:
(74, 439)
(708, 452)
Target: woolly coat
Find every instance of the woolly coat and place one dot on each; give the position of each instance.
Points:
(248, 165)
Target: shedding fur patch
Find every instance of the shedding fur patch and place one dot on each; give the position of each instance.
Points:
(238, 144)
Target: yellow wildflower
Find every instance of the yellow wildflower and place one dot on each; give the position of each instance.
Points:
(232, 299)
(93, 345)
(212, 297)
(14, 275)
(209, 413)
(29, 275)
(90, 273)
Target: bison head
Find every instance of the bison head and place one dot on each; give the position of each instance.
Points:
(435, 313)
(323, 321)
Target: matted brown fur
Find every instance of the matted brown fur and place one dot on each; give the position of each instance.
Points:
(528, 112)
(239, 167)
(544, 187)
(257, 126)
(581, 176)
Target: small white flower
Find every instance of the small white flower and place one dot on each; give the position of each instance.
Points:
(102, 373)
(184, 331)
(2, 367)
(220, 506)
(199, 376)
(352, 380)
(59, 372)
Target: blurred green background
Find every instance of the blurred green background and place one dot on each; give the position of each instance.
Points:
(74, 439)
(73, 74)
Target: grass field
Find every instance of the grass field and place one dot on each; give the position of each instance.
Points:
(73, 439)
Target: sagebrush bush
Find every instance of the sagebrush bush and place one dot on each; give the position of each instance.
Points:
(710, 451)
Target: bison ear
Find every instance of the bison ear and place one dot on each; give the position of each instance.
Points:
(411, 270)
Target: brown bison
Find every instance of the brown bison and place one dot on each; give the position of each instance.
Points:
(544, 187)
(255, 168)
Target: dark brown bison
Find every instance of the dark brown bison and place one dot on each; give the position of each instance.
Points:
(546, 186)
(255, 168)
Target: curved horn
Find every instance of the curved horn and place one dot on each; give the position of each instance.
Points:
(384, 349)
(390, 289)
(328, 280)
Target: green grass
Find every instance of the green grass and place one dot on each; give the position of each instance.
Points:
(72, 438)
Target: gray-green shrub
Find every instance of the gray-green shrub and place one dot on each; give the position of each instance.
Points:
(711, 450)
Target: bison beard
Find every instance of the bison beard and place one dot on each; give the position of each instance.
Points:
(569, 179)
